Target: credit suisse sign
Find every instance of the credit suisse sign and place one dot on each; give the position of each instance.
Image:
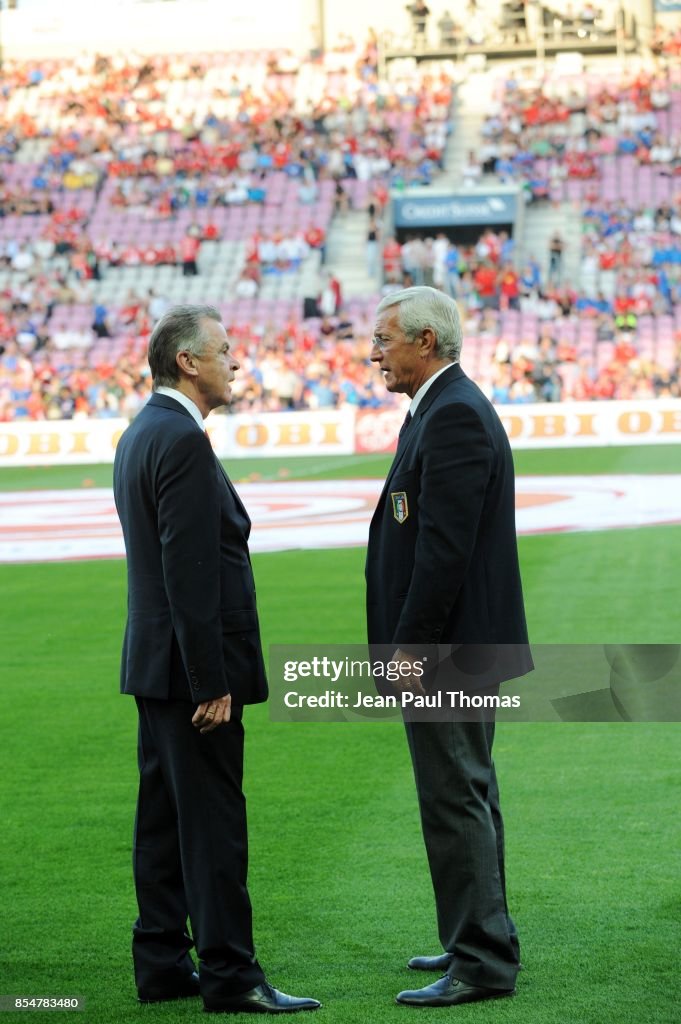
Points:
(439, 211)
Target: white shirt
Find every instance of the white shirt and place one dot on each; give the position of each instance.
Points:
(190, 406)
(416, 400)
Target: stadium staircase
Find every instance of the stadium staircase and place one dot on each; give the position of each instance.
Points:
(474, 100)
(540, 223)
(346, 244)
(346, 253)
(474, 96)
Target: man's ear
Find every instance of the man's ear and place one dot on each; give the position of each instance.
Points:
(427, 343)
(187, 363)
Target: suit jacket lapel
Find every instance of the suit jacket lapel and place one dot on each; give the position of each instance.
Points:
(233, 490)
(169, 403)
(402, 446)
(454, 373)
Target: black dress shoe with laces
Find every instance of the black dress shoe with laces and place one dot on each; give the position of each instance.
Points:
(185, 988)
(439, 963)
(450, 992)
(261, 999)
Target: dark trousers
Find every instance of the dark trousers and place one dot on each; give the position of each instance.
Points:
(464, 837)
(190, 854)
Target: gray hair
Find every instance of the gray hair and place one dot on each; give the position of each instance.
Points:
(180, 329)
(422, 307)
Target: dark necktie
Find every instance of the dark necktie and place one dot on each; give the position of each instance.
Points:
(407, 421)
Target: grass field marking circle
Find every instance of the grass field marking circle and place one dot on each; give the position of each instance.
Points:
(44, 526)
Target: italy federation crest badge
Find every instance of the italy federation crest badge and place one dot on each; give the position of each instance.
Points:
(400, 506)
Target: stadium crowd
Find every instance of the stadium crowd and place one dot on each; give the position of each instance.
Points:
(568, 129)
(108, 164)
(615, 334)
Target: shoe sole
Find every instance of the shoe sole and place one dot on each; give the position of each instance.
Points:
(262, 1010)
(461, 1002)
(442, 969)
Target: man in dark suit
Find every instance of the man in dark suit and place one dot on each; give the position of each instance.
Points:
(192, 658)
(442, 569)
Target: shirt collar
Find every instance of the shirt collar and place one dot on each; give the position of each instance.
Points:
(187, 403)
(420, 394)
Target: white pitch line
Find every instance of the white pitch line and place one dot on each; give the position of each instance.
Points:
(44, 526)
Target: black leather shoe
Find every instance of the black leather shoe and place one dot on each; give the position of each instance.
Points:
(431, 963)
(450, 992)
(261, 999)
(184, 989)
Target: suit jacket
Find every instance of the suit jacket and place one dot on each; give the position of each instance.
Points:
(442, 562)
(192, 630)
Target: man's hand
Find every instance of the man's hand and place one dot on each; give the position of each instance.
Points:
(212, 713)
(411, 682)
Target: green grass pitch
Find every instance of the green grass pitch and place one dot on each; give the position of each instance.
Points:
(338, 873)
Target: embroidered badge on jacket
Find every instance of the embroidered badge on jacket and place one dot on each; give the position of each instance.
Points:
(400, 505)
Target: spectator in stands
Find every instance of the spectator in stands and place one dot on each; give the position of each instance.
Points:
(247, 285)
(341, 199)
(471, 172)
(158, 304)
(448, 29)
(413, 258)
(378, 199)
(420, 13)
(100, 325)
(556, 250)
(485, 279)
(315, 238)
(372, 247)
(330, 297)
(189, 252)
(440, 250)
(392, 260)
(509, 287)
(453, 266)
